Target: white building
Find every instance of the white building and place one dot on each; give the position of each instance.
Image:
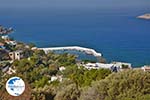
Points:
(5, 37)
(11, 42)
(146, 68)
(91, 66)
(115, 66)
(122, 64)
(98, 65)
(16, 55)
(54, 78)
(62, 68)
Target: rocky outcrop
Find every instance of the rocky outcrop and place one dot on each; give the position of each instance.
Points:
(145, 16)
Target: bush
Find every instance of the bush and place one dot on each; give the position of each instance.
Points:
(126, 85)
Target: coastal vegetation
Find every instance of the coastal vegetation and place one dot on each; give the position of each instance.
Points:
(52, 76)
(126, 85)
(78, 83)
(38, 69)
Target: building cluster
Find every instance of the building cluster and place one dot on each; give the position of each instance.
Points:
(114, 66)
(18, 55)
(7, 56)
(7, 40)
(15, 55)
(5, 31)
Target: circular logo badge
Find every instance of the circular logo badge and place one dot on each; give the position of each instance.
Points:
(15, 86)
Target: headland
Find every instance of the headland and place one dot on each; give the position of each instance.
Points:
(145, 16)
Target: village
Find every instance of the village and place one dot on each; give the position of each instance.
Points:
(11, 50)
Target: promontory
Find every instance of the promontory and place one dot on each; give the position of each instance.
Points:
(145, 16)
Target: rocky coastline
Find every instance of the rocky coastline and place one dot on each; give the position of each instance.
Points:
(145, 16)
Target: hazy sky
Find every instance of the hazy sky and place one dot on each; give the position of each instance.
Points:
(42, 7)
(25, 4)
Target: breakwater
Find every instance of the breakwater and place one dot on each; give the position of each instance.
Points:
(77, 48)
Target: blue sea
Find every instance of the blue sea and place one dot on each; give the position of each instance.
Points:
(108, 26)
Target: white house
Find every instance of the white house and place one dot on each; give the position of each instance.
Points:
(54, 78)
(16, 55)
(11, 42)
(102, 65)
(146, 68)
(62, 68)
(91, 66)
(122, 64)
(5, 37)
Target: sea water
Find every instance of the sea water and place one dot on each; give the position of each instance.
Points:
(108, 26)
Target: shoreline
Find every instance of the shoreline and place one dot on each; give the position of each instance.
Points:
(145, 16)
(87, 51)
